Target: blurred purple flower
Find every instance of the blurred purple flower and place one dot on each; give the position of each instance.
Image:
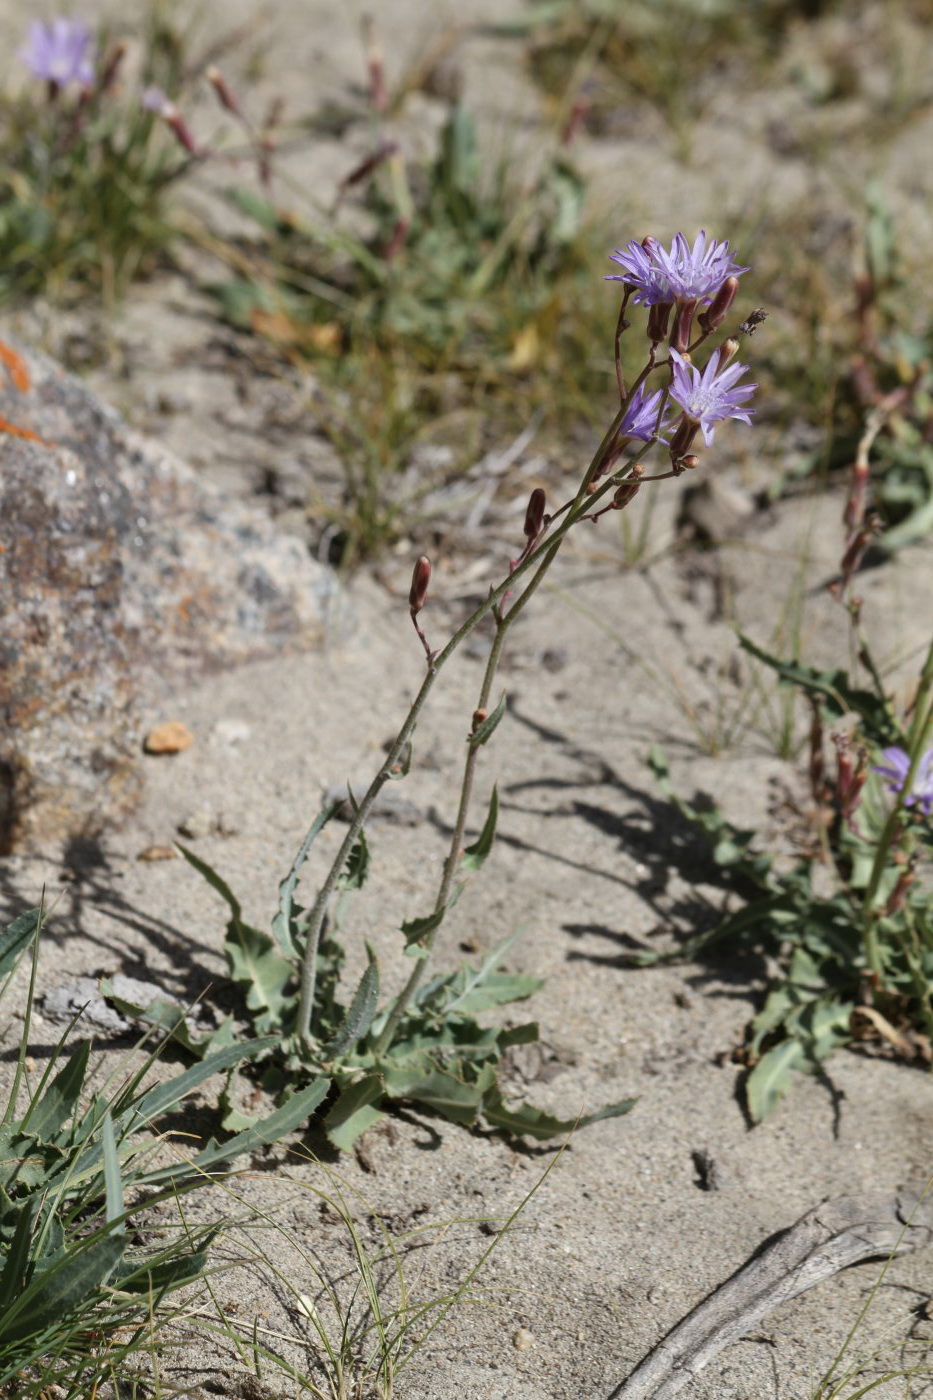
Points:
(155, 100)
(641, 416)
(683, 274)
(895, 770)
(60, 52)
(709, 397)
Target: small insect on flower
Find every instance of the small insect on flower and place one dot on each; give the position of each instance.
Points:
(895, 771)
(60, 52)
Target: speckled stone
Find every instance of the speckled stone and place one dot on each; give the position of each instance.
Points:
(121, 577)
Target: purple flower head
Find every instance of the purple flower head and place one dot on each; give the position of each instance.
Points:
(708, 398)
(155, 100)
(683, 274)
(895, 770)
(641, 416)
(60, 52)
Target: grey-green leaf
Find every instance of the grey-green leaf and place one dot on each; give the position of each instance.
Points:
(353, 1112)
(47, 1115)
(283, 923)
(360, 1015)
(474, 856)
(17, 937)
(484, 731)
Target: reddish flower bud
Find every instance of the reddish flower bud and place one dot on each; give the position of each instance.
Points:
(658, 318)
(479, 717)
(420, 579)
(718, 309)
(683, 325)
(112, 66)
(534, 515)
(224, 92)
(854, 512)
(690, 462)
(628, 490)
(851, 773)
(684, 434)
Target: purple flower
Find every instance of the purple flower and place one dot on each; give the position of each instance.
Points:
(59, 52)
(895, 770)
(683, 274)
(155, 100)
(641, 416)
(709, 397)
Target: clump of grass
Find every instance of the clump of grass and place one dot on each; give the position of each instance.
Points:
(84, 1298)
(357, 1328)
(669, 55)
(85, 170)
(450, 321)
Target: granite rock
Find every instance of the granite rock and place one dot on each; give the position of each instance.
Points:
(121, 577)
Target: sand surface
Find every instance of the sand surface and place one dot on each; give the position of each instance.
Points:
(621, 1238)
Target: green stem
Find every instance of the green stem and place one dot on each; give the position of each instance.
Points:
(545, 552)
(916, 743)
(581, 505)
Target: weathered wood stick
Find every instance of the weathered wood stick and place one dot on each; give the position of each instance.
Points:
(828, 1238)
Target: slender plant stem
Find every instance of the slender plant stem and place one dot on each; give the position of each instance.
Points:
(916, 742)
(580, 506)
(545, 552)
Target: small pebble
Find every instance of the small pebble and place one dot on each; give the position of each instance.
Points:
(171, 737)
(523, 1340)
(231, 732)
(197, 824)
(158, 853)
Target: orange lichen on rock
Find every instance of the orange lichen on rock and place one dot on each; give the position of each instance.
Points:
(11, 428)
(19, 374)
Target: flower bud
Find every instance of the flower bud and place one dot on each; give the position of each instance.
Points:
(112, 66)
(420, 579)
(714, 315)
(690, 462)
(683, 325)
(479, 717)
(628, 490)
(658, 319)
(534, 515)
(727, 351)
(224, 92)
(684, 434)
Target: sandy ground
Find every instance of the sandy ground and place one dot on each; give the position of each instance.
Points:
(620, 1239)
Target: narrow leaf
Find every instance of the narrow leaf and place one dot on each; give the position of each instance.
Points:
(17, 937)
(283, 922)
(294, 1113)
(484, 732)
(474, 856)
(67, 1286)
(18, 1254)
(46, 1116)
(214, 880)
(113, 1184)
(534, 1122)
(359, 1017)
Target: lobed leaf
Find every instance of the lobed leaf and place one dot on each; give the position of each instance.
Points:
(353, 1112)
(533, 1122)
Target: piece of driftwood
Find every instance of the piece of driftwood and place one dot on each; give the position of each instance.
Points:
(828, 1238)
